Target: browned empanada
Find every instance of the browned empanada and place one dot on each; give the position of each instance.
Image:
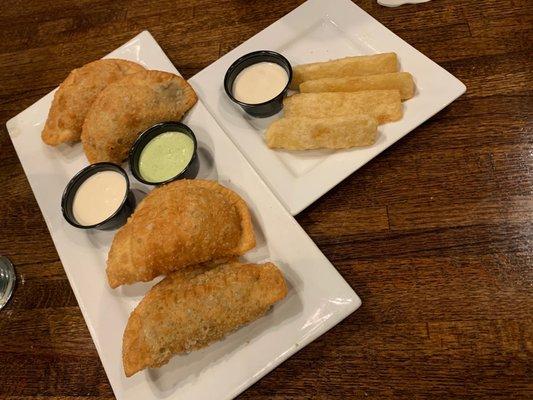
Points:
(182, 223)
(77, 93)
(192, 308)
(124, 109)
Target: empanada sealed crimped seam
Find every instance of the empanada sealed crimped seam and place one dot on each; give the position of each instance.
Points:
(182, 223)
(124, 109)
(196, 306)
(77, 93)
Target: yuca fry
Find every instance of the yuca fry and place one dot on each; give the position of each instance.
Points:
(301, 133)
(402, 81)
(349, 66)
(383, 105)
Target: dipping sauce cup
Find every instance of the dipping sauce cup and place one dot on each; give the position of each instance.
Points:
(98, 197)
(268, 107)
(163, 153)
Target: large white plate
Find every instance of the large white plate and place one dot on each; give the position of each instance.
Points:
(320, 30)
(318, 296)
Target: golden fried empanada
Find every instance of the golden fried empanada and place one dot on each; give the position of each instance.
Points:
(182, 223)
(124, 109)
(190, 309)
(76, 94)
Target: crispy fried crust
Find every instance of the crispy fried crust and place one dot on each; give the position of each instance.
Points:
(302, 133)
(402, 81)
(192, 308)
(182, 223)
(348, 66)
(77, 93)
(126, 108)
(383, 105)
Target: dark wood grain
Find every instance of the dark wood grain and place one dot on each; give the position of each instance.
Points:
(435, 234)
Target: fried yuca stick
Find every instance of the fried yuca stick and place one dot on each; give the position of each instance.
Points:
(302, 133)
(349, 66)
(402, 81)
(383, 105)
(192, 308)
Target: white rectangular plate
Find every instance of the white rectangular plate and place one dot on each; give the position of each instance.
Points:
(322, 30)
(318, 296)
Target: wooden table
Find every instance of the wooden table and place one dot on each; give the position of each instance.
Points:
(435, 234)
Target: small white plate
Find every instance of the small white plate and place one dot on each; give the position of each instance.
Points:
(322, 30)
(318, 297)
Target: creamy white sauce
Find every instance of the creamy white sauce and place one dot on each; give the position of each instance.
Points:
(260, 82)
(396, 3)
(98, 197)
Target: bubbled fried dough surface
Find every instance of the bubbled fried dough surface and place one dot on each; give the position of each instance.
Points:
(192, 308)
(77, 93)
(124, 109)
(182, 223)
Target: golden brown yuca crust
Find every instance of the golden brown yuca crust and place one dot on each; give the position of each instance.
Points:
(402, 81)
(192, 308)
(348, 66)
(182, 223)
(126, 108)
(383, 105)
(302, 133)
(77, 93)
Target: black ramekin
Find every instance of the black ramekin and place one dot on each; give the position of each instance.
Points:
(190, 171)
(269, 107)
(118, 218)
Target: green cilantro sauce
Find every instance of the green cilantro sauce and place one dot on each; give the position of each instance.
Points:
(165, 156)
